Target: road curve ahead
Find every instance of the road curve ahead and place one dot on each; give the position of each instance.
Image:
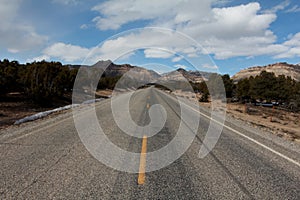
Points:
(47, 159)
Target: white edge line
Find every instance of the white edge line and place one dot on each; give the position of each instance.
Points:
(229, 128)
(245, 136)
(249, 138)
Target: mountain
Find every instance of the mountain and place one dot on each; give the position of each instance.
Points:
(115, 70)
(282, 68)
(111, 69)
(145, 75)
(182, 74)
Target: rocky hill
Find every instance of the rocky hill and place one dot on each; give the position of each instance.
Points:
(278, 69)
(115, 70)
(182, 74)
(142, 74)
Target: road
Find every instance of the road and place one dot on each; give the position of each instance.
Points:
(49, 161)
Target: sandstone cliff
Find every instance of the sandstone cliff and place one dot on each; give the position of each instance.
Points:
(278, 69)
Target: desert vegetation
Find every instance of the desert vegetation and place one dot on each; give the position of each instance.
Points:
(41, 82)
(265, 87)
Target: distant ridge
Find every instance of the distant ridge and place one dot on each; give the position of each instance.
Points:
(114, 70)
(180, 74)
(281, 68)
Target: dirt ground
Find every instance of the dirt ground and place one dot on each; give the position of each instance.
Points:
(104, 93)
(15, 106)
(282, 123)
(275, 120)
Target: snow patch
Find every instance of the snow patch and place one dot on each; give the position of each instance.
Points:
(48, 112)
(44, 114)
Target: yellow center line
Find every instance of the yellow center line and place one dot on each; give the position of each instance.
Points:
(141, 178)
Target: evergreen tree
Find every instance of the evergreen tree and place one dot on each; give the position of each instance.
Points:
(228, 85)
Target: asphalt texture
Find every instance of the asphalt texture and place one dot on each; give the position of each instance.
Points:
(51, 162)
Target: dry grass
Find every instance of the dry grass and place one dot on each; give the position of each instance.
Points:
(282, 123)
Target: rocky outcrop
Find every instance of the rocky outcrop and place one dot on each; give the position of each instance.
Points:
(115, 70)
(278, 69)
(182, 75)
(139, 73)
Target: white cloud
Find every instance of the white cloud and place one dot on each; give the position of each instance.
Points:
(39, 58)
(209, 66)
(245, 46)
(11, 50)
(220, 2)
(156, 43)
(124, 47)
(65, 2)
(15, 35)
(150, 41)
(292, 47)
(76, 54)
(66, 52)
(294, 9)
(293, 41)
(225, 32)
(280, 6)
(118, 12)
(84, 26)
(157, 53)
(177, 59)
(8, 11)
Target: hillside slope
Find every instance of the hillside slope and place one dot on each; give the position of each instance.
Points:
(278, 69)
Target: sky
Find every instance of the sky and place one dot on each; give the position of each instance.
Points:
(208, 35)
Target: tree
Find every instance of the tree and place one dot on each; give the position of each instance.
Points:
(263, 86)
(296, 93)
(215, 86)
(202, 87)
(267, 86)
(9, 76)
(283, 87)
(242, 89)
(204, 97)
(228, 85)
(44, 81)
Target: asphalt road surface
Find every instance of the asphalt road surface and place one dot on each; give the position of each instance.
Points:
(47, 160)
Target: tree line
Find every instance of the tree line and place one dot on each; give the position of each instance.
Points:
(39, 81)
(265, 86)
(44, 81)
(220, 85)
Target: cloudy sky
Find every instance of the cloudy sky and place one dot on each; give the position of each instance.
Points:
(228, 34)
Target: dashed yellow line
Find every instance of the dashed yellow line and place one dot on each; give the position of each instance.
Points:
(141, 178)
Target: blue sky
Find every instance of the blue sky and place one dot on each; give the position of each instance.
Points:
(209, 35)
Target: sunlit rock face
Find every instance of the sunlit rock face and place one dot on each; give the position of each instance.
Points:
(278, 69)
